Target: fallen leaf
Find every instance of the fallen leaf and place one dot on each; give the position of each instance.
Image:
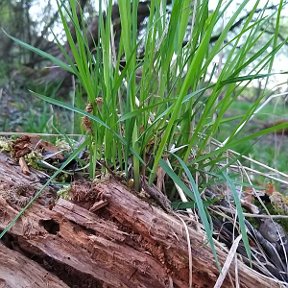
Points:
(24, 166)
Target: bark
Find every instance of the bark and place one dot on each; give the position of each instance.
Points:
(105, 236)
(11, 174)
(19, 271)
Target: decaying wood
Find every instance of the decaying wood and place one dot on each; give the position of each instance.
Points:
(122, 242)
(11, 174)
(21, 272)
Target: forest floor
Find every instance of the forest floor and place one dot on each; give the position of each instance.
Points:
(127, 226)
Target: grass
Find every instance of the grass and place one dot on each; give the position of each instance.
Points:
(267, 149)
(183, 97)
(20, 112)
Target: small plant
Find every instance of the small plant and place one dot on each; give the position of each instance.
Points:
(182, 100)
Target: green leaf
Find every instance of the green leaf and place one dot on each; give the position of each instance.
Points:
(195, 195)
(43, 54)
(241, 217)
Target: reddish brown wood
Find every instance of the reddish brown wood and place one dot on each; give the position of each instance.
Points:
(127, 243)
(21, 272)
(11, 173)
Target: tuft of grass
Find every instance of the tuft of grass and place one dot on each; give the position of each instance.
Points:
(185, 92)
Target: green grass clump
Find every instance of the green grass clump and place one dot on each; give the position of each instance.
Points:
(185, 92)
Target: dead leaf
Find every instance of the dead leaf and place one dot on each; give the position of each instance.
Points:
(21, 146)
(247, 201)
(269, 188)
(160, 178)
(24, 166)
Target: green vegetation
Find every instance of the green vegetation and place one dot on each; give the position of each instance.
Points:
(183, 101)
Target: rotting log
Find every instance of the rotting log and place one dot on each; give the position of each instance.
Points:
(11, 174)
(108, 237)
(21, 272)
